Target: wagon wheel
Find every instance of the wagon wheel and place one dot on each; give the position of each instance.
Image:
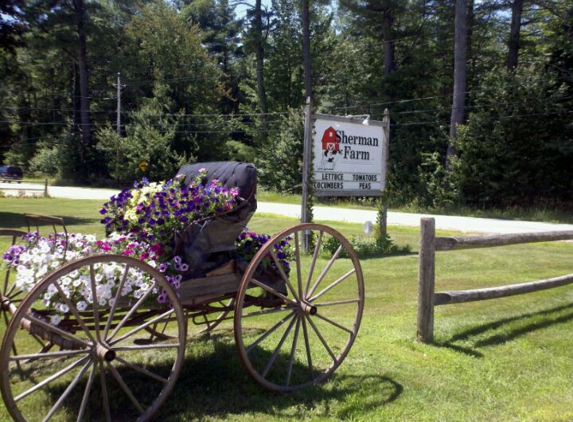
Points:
(294, 327)
(97, 372)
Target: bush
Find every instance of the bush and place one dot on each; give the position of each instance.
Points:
(366, 246)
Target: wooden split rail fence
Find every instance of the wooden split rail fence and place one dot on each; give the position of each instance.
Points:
(430, 244)
(26, 188)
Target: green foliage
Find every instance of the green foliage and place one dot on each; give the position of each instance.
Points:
(150, 138)
(64, 158)
(436, 187)
(241, 152)
(280, 162)
(514, 149)
(46, 160)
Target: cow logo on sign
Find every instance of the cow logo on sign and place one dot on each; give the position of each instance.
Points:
(330, 149)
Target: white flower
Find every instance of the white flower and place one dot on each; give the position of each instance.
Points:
(45, 255)
(62, 307)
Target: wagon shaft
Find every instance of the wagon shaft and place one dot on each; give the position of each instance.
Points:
(43, 332)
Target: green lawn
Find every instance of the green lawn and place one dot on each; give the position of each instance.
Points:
(501, 360)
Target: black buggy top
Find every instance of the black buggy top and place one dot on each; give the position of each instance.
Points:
(207, 244)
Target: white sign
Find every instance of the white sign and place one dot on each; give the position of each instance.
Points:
(349, 156)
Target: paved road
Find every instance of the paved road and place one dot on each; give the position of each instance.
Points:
(444, 222)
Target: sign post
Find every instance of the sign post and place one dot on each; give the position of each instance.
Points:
(306, 162)
(305, 215)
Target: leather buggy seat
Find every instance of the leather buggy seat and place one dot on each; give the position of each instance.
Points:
(207, 244)
(230, 174)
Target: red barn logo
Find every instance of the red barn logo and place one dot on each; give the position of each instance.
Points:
(330, 142)
(330, 149)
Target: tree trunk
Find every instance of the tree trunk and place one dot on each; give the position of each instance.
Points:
(260, 56)
(460, 70)
(389, 50)
(74, 99)
(307, 60)
(80, 12)
(471, 61)
(514, 34)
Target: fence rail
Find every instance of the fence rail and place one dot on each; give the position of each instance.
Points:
(430, 244)
(17, 185)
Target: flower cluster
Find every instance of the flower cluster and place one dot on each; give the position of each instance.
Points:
(155, 211)
(248, 244)
(38, 256)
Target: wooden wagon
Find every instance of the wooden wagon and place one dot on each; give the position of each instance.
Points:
(292, 327)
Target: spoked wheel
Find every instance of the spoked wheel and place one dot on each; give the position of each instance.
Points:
(98, 369)
(295, 324)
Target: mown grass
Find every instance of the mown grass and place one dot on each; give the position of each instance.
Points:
(501, 360)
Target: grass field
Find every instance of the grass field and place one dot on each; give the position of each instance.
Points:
(501, 360)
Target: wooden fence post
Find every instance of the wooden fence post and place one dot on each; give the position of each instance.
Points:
(45, 188)
(426, 280)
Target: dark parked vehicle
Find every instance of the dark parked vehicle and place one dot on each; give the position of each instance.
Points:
(9, 173)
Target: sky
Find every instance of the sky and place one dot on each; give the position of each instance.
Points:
(243, 5)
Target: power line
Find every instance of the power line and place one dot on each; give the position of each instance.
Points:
(434, 97)
(156, 124)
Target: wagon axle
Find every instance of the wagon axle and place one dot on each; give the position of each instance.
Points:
(105, 353)
(5, 303)
(308, 308)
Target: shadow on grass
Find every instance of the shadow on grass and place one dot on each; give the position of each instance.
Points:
(507, 329)
(217, 384)
(12, 220)
(213, 382)
(365, 257)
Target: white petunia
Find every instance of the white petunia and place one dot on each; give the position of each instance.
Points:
(55, 319)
